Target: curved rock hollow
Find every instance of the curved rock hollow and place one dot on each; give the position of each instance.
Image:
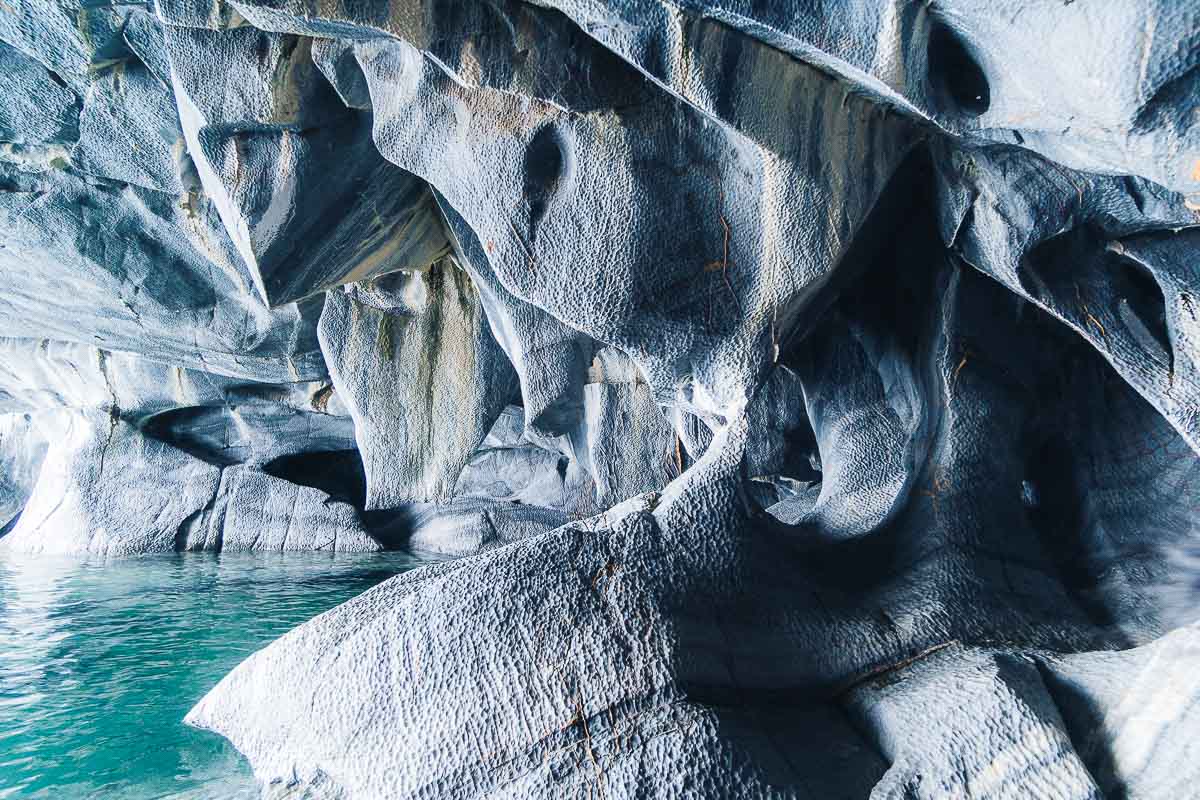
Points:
(808, 392)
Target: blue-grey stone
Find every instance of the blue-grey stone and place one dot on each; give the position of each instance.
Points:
(807, 393)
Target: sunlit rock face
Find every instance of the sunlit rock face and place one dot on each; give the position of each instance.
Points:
(809, 392)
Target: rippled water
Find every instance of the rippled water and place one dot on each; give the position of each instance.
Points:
(100, 661)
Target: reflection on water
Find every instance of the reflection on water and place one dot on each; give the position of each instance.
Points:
(100, 661)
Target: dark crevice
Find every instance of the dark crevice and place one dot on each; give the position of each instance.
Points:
(904, 204)
(1058, 517)
(869, 327)
(1141, 296)
(338, 473)
(958, 85)
(12, 523)
(547, 168)
(1103, 292)
(1064, 450)
(191, 429)
(1083, 720)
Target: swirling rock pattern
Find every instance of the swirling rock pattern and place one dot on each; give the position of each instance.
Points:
(809, 392)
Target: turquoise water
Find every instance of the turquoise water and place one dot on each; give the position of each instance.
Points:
(100, 661)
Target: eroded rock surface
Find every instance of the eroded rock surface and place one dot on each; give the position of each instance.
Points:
(808, 391)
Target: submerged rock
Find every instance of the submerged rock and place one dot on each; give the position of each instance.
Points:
(809, 392)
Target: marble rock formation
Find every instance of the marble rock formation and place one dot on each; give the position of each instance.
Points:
(808, 392)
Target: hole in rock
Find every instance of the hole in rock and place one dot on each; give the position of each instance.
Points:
(1053, 266)
(957, 82)
(1101, 290)
(1141, 303)
(547, 164)
(867, 363)
(338, 473)
(901, 218)
(543, 161)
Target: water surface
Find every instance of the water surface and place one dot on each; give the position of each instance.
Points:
(101, 660)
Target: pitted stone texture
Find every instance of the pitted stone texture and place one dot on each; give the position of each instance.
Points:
(860, 387)
(1007, 71)
(129, 130)
(303, 194)
(962, 723)
(107, 490)
(631, 446)
(64, 36)
(554, 713)
(544, 164)
(545, 188)
(1101, 254)
(550, 358)
(423, 380)
(1131, 714)
(35, 109)
(635, 622)
(126, 268)
(912, 283)
(255, 511)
